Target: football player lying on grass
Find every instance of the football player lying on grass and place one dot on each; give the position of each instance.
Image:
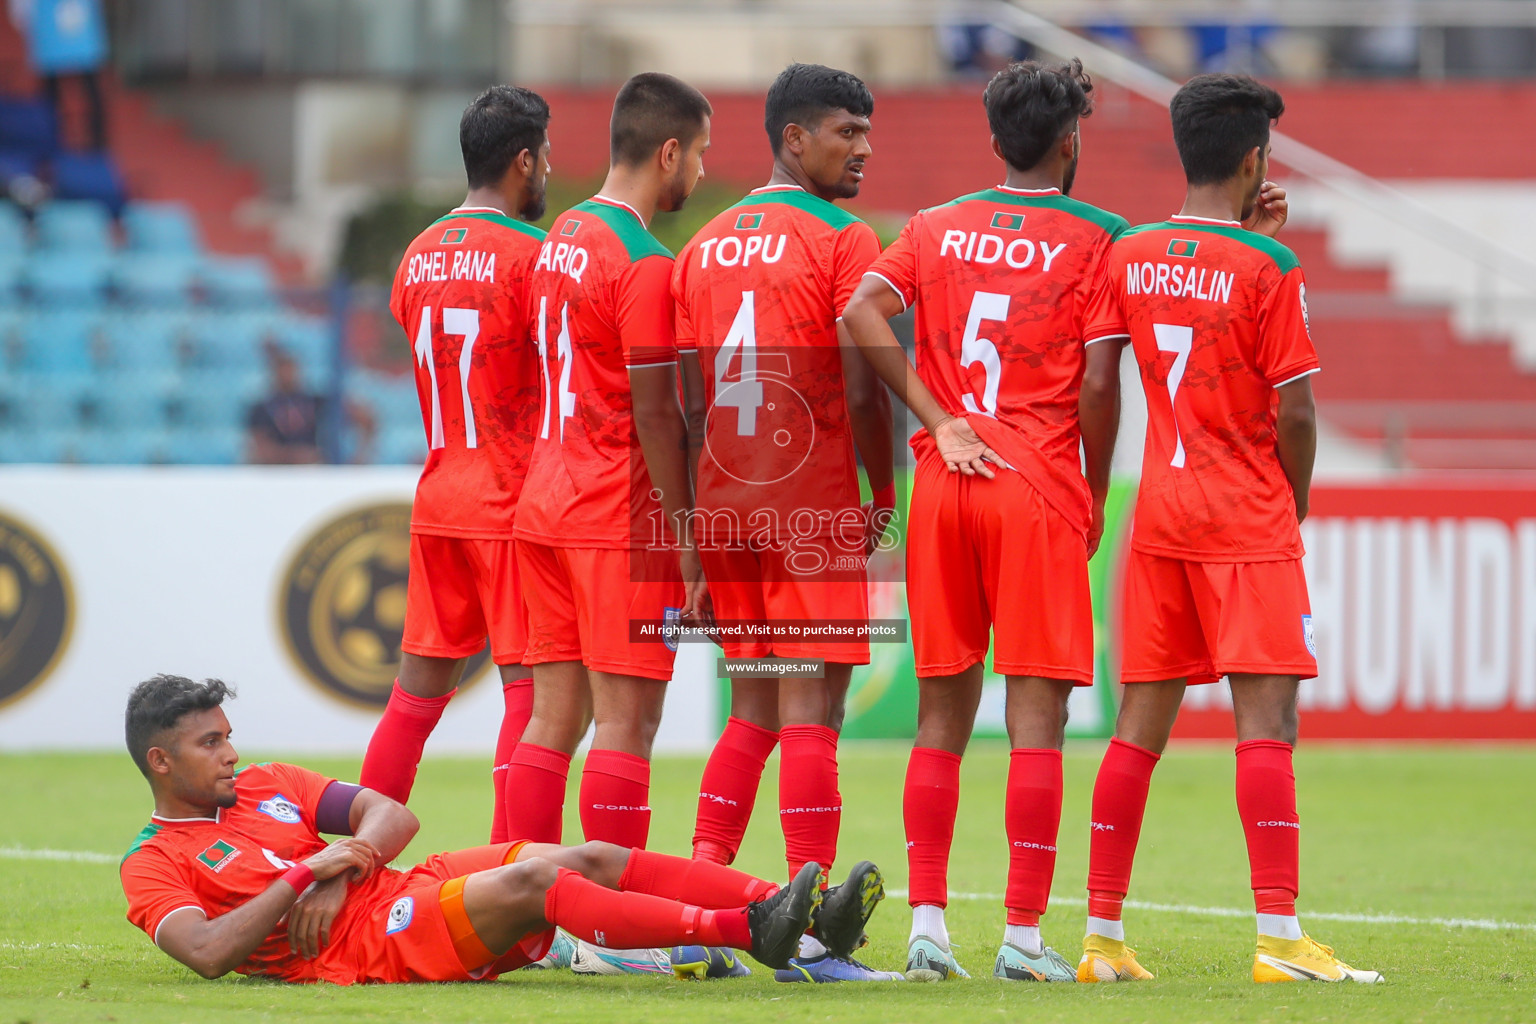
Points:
(231, 874)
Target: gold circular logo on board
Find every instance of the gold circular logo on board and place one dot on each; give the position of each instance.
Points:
(342, 604)
(37, 609)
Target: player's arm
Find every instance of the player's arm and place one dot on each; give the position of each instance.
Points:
(1296, 429)
(215, 946)
(695, 411)
(1098, 417)
(867, 321)
(869, 416)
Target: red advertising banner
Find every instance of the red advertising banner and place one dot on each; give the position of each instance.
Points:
(1423, 612)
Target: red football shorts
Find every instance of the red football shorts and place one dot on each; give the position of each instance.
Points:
(420, 931)
(992, 556)
(1203, 620)
(805, 580)
(582, 603)
(459, 591)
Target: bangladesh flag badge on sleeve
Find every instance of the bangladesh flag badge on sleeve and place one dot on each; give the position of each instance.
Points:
(1008, 221)
(1184, 247)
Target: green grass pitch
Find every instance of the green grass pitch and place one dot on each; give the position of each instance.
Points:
(1418, 834)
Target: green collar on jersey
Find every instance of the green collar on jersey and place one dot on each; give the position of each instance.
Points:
(495, 218)
(149, 832)
(832, 215)
(637, 241)
(1113, 224)
(1283, 258)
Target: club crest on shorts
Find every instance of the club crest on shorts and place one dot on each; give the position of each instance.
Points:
(1308, 635)
(671, 627)
(280, 808)
(400, 915)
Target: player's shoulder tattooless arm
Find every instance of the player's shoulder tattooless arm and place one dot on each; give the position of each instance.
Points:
(334, 811)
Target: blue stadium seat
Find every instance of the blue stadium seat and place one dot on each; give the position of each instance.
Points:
(147, 341)
(391, 397)
(128, 401)
(231, 340)
(310, 341)
(150, 279)
(213, 447)
(60, 341)
(73, 225)
(236, 282)
(214, 399)
(51, 401)
(28, 126)
(161, 227)
(117, 447)
(398, 446)
(91, 175)
(12, 278)
(76, 279)
(13, 228)
(34, 446)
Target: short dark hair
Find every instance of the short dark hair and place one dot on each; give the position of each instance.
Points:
(1217, 119)
(1031, 105)
(650, 109)
(805, 93)
(497, 125)
(157, 704)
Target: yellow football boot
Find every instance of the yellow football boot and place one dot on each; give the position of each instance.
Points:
(1303, 959)
(1106, 959)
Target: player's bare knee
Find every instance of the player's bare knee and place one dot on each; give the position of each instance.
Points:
(526, 881)
(603, 863)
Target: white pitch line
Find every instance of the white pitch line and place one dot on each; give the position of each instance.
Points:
(77, 856)
(1482, 924)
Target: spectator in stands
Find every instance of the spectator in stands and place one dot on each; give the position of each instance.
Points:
(291, 425)
(67, 39)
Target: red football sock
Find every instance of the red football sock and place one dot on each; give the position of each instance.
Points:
(615, 795)
(394, 751)
(700, 882)
(1266, 801)
(629, 920)
(535, 789)
(1119, 803)
(729, 789)
(810, 808)
(517, 698)
(928, 805)
(1032, 817)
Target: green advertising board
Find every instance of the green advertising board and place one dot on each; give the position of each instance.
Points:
(882, 699)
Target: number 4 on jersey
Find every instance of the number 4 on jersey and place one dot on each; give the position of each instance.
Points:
(745, 393)
(563, 353)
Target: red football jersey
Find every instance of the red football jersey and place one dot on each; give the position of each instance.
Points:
(1218, 319)
(460, 295)
(759, 291)
(600, 303)
(216, 864)
(1004, 282)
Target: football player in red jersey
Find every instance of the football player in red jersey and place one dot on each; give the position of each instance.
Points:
(1214, 586)
(784, 403)
(603, 515)
(1008, 381)
(232, 874)
(460, 297)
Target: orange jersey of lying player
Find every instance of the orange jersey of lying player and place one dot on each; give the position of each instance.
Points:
(600, 303)
(460, 295)
(1005, 282)
(1218, 319)
(217, 864)
(759, 291)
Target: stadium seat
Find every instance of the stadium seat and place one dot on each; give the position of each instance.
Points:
(13, 228)
(148, 341)
(215, 447)
(161, 227)
(51, 401)
(12, 278)
(150, 279)
(73, 225)
(236, 282)
(118, 447)
(399, 446)
(89, 175)
(28, 126)
(59, 341)
(231, 340)
(391, 397)
(34, 446)
(310, 341)
(214, 399)
(128, 401)
(76, 279)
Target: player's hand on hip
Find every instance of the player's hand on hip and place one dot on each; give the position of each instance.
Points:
(311, 917)
(962, 450)
(1270, 211)
(358, 856)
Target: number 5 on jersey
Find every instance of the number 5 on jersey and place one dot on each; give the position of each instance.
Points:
(465, 323)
